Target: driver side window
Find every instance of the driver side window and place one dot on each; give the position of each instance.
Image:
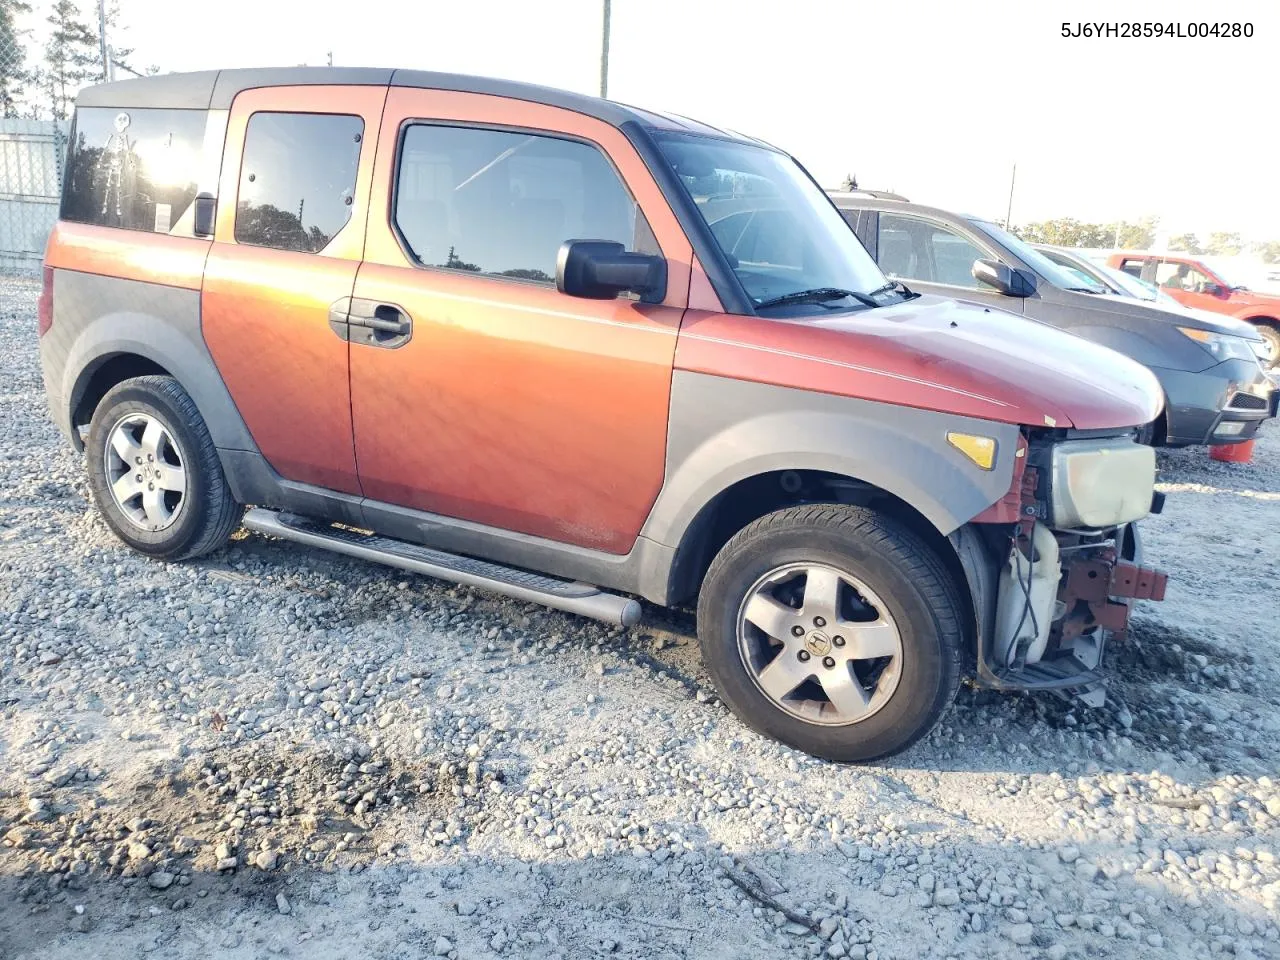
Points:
(914, 249)
(1180, 276)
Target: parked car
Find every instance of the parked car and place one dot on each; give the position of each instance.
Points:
(1215, 389)
(570, 351)
(1193, 281)
(1107, 279)
(1110, 280)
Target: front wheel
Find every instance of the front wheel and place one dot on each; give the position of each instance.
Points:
(1271, 333)
(833, 629)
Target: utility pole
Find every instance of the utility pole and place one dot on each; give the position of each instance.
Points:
(102, 39)
(1008, 216)
(604, 52)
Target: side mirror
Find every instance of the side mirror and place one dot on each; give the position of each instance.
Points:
(206, 207)
(1010, 282)
(1212, 289)
(602, 269)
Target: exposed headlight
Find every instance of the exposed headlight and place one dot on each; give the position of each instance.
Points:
(1221, 345)
(1101, 483)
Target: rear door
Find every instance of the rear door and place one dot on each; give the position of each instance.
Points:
(935, 257)
(480, 392)
(293, 204)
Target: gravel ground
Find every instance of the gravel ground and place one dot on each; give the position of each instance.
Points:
(277, 751)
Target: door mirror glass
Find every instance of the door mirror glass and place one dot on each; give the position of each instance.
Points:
(602, 269)
(1010, 282)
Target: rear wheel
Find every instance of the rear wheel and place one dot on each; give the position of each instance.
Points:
(833, 629)
(154, 472)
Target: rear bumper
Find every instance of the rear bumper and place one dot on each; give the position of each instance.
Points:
(1222, 405)
(52, 363)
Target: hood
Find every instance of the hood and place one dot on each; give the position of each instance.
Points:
(1178, 316)
(936, 354)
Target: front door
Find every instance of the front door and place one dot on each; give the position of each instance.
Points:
(293, 203)
(936, 258)
(478, 391)
(1189, 285)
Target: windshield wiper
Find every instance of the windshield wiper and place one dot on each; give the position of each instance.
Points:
(897, 286)
(820, 295)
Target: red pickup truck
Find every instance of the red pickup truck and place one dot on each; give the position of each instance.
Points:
(1192, 282)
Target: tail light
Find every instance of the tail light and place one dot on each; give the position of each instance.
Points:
(44, 308)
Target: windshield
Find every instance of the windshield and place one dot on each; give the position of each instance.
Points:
(1037, 261)
(1129, 283)
(776, 227)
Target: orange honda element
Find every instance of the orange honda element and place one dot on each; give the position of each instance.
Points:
(578, 353)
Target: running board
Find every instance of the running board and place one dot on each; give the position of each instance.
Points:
(572, 597)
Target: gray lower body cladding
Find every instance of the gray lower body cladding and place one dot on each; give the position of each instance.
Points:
(723, 431)
(96, 318)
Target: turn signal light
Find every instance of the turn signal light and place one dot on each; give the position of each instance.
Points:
(981, 450)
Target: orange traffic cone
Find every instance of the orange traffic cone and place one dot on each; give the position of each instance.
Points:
(1232, 452)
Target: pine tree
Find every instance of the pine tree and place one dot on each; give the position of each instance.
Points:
(13, 56)
(71, 57)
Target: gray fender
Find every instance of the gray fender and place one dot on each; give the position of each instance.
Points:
(97, 318)
(1154, 343)
(723, 431)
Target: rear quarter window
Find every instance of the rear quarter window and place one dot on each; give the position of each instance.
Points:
(132, 169)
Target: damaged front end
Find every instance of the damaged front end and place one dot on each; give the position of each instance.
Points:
(1056, 564)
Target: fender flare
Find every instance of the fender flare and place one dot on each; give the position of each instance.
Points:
(174, 344)
(902, 451)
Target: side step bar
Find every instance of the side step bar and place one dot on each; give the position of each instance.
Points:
(579, 598)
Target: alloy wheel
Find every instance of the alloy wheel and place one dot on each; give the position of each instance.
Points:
(820, 644)
(144, 471)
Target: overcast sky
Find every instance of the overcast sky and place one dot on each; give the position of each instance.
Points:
(934, 99)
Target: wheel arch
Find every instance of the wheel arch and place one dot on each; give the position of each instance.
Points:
(99, 377)
(753, 496)
(1262, 320)
(731, 443)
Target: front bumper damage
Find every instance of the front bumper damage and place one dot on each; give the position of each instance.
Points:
(1050, 599)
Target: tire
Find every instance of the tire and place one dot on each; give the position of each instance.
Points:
(1271, 333)
(150, 513)
(887, 577)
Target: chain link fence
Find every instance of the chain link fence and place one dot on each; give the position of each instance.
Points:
(32, 153)
(48, 50)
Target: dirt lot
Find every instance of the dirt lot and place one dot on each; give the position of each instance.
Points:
(279, 752)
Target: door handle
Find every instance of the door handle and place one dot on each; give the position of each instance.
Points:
(381, 324)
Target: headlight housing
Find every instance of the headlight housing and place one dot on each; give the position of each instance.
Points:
(1103, 483)
(1221, 346)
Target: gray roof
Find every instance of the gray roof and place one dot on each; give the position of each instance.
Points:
(215, 89)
